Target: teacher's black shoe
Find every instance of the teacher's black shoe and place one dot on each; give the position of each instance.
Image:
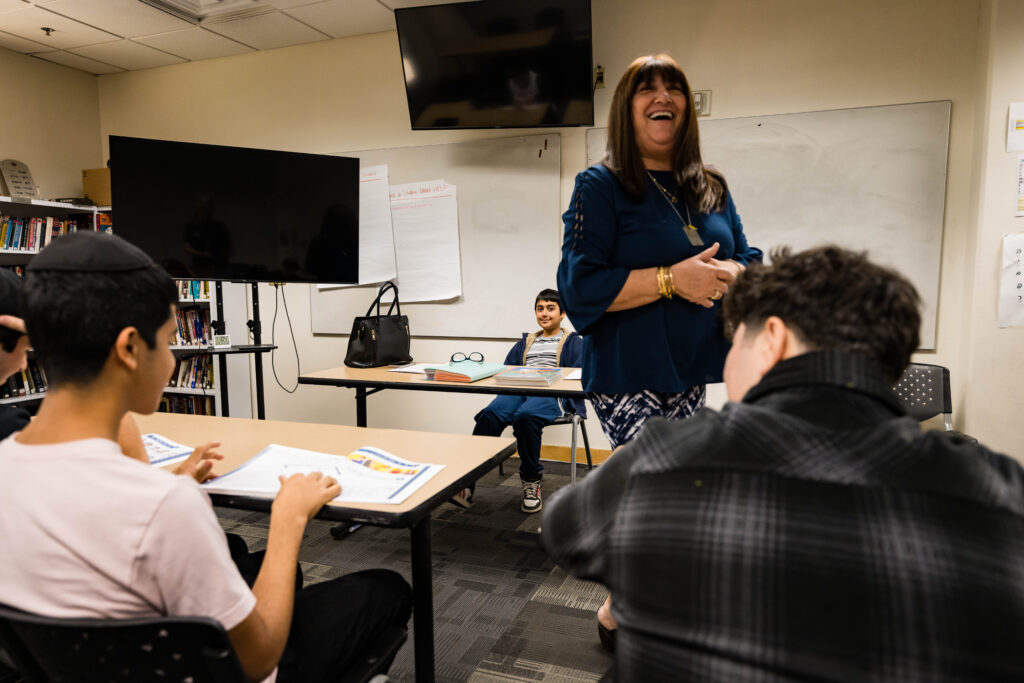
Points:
(607, 636)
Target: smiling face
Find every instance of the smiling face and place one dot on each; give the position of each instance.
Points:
(549, 316)
(659, 109)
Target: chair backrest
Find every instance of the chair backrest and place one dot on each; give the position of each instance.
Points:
(924, 391)
(46, 649)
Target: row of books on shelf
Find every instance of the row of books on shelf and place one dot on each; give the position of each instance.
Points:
(190, 405)
(194, 290)
(31, 380)
(194, 327)
(193, 373)
(32, 234)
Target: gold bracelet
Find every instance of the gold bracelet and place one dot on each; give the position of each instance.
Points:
(671, 283)
(664, 275)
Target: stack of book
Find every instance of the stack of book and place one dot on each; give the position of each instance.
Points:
(193, 327)
(463, 371)
(29, 380)
(528, 377)
(32, 234)
(195, 372)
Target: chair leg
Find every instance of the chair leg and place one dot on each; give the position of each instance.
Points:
(586, 444)
(572, 450)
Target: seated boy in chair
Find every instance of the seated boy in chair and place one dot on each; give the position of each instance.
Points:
(92, 533)
(549, 347)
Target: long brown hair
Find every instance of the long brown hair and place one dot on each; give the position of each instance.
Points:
(702, 187)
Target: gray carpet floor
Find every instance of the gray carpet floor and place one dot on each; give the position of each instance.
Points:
(502, 610)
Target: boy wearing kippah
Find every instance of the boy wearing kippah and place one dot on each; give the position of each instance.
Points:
(100, 314)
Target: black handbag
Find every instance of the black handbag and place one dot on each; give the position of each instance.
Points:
(378, 340)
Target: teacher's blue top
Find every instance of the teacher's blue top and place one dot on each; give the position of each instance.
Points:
(668, 345)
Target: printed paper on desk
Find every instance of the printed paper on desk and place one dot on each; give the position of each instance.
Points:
(376, 239)
(163, 451)
(367, 475)
(425, 219)
(417, 369)
(575, 374)
(1011, 282)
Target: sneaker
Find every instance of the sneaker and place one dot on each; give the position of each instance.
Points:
(463, 498)
(531, 497)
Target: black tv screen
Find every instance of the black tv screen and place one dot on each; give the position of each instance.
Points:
(208, 212)
(498, 64)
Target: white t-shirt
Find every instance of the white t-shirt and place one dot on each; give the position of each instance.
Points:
(88, 532)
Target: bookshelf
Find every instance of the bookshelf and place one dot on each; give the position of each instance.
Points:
(40, 221)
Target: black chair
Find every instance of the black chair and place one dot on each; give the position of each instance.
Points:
(569, 416)
(195, 649)
(924, 392)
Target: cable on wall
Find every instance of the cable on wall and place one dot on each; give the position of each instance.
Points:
(278, 288)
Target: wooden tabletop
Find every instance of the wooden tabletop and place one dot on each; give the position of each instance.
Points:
(465, 457)
(344, 376)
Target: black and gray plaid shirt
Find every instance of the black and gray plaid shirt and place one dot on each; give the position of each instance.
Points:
(809, 533)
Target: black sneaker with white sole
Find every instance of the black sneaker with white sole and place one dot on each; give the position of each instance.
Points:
(531, 497)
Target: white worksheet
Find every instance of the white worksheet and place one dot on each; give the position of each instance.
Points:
(163, 451)
(367, 475)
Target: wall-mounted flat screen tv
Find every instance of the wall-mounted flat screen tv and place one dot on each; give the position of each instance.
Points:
(210, 212)
(498, 64)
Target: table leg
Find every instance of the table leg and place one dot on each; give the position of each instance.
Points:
(423, 602)
(360, 407)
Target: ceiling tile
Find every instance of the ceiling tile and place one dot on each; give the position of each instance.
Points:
(128, 55)
(8, 5)
(266, 32)
(287, 4)
(17, 44)
(417, 3)
(339, 18)
(126, 18)
(27, 23)
(194, 44)
(77, 62)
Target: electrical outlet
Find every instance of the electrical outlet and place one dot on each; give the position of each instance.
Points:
(598, 77)
(702, 102)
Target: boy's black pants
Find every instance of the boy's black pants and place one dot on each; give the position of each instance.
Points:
(335, 621)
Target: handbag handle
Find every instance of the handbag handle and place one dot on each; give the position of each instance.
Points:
(394, 303)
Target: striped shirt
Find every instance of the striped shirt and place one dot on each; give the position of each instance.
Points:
(543, 353)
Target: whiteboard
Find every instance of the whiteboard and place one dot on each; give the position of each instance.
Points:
(509, 235)
(871, 179)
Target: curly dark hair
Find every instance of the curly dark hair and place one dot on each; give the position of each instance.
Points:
(832, 298)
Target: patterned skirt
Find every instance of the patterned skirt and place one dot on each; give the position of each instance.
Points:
(622, 415)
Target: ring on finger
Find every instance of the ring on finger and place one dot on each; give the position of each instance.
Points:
(716, 296)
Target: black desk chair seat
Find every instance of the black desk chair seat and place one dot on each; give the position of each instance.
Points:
(569, 416)
(194, 649)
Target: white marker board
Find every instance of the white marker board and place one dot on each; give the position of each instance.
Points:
(872, 178)
(509, 235)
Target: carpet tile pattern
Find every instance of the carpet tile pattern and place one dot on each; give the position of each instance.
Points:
(502, 611)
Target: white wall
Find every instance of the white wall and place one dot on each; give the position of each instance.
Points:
(992, 360)
(50, 121)
(756, 57)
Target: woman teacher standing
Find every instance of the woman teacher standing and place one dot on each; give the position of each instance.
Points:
(652, 241)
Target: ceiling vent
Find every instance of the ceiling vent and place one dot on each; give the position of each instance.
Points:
(211, 11)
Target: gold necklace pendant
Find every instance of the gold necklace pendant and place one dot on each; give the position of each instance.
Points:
(689, 229)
